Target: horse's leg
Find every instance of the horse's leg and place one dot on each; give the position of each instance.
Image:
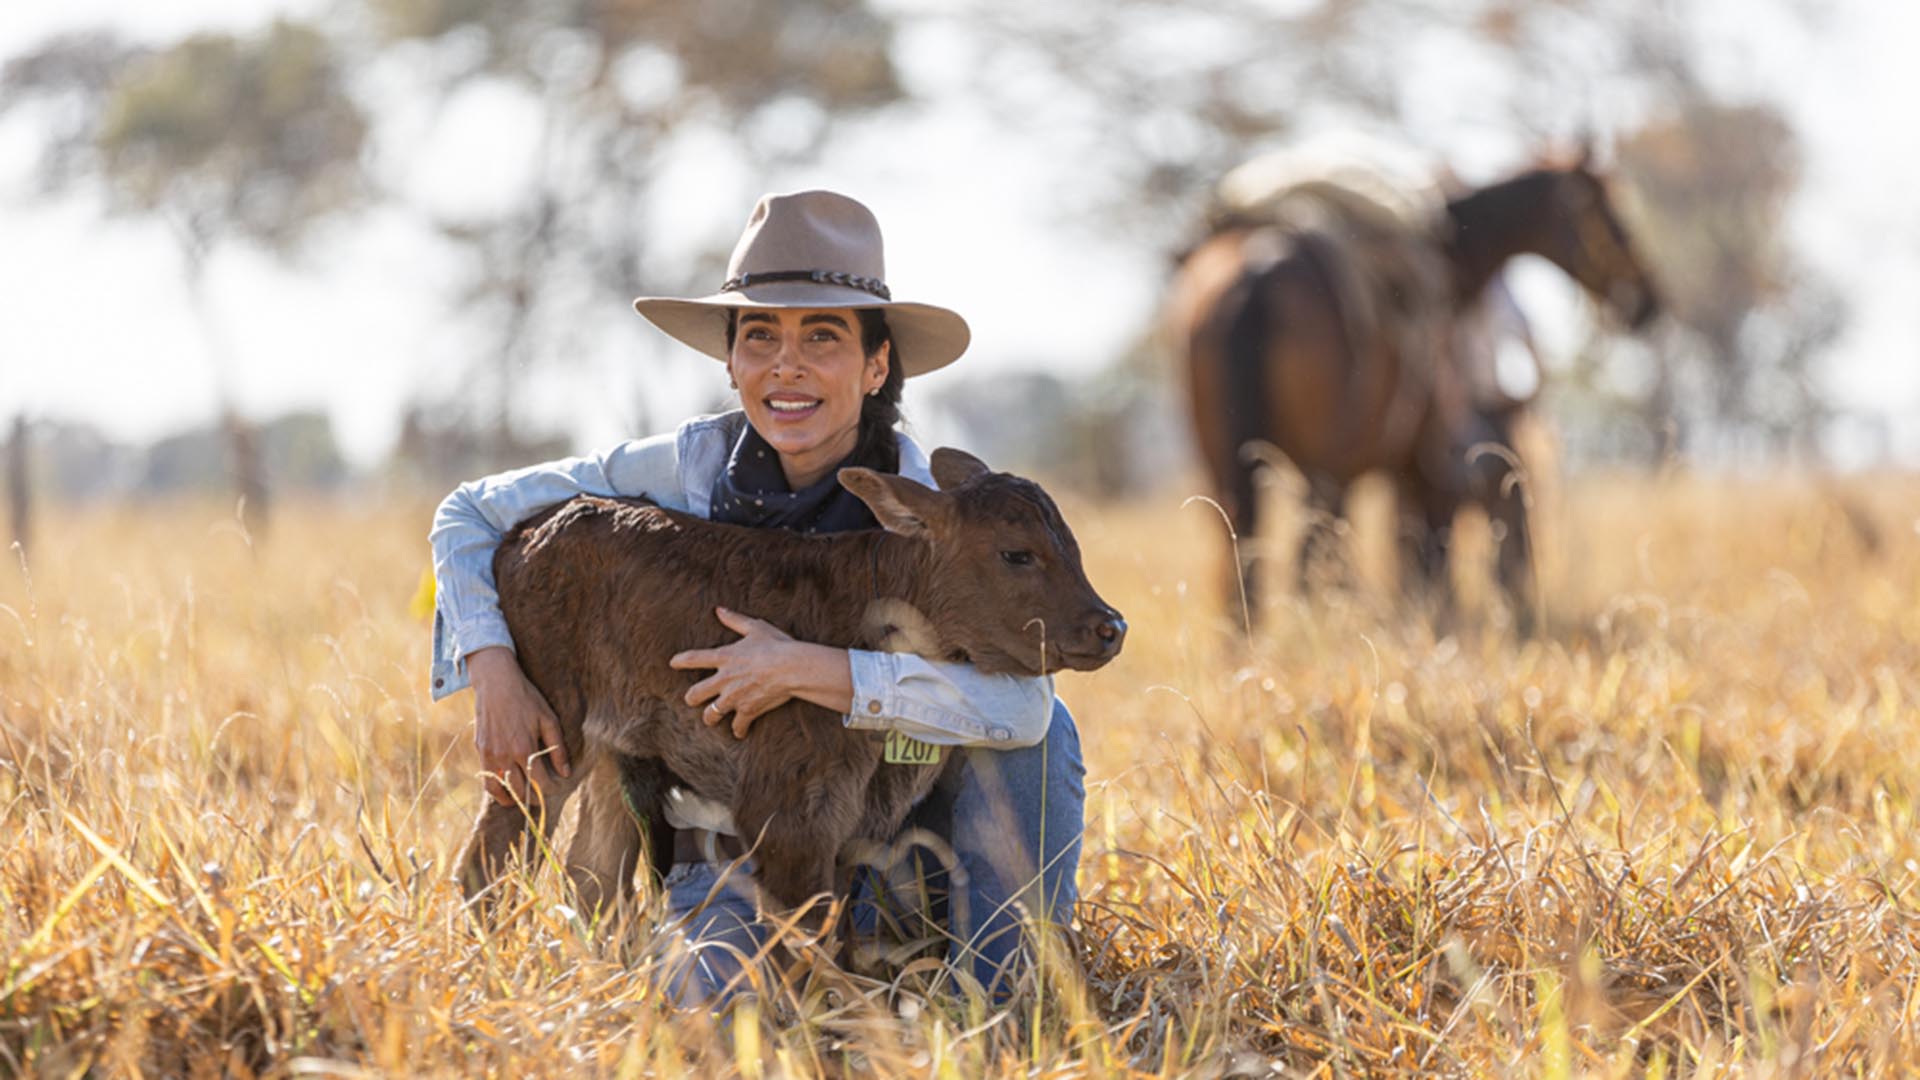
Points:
(1243, 513)
(1423, 534)
(1322, 556)
(1515, 566)
(1504, 496)
(1246, 338)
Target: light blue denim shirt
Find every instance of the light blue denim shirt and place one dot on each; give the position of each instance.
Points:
(949, 704)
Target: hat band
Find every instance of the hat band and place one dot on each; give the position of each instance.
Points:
(818, 277)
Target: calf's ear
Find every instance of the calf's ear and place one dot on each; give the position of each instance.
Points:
(901, 505)
(951, 467)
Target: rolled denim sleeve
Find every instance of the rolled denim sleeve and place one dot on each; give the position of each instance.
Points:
(470, 523)
(947, 704)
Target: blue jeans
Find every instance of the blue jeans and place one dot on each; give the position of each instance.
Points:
(1008, 806)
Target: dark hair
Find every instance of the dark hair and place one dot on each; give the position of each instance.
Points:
(879, 413)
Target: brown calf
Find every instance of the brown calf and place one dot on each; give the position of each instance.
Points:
(600, 593)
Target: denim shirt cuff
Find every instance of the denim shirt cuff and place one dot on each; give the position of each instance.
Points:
(452, 645)
(484, 632)
(880, 704)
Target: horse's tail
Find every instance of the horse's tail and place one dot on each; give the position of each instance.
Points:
(1355, 314)
(1247, 335)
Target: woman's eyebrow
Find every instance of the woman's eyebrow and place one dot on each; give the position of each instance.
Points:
(833, 320)
(755, 316)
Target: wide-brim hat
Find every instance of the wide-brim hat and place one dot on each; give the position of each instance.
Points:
(811, 249)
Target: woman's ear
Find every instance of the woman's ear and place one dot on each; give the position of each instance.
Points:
(878, 365)
(732, 383)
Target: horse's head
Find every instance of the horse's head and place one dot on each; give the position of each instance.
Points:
(1586, 239)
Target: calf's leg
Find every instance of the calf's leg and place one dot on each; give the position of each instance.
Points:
(795, 859)
(606, 841)
(501, 830)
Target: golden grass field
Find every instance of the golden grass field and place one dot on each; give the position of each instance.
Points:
(1674, 835)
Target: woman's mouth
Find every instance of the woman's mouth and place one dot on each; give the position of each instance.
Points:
(793, 408)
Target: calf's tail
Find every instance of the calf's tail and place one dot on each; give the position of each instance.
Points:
(644, 783)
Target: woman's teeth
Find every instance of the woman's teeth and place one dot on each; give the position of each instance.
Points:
(791, 406)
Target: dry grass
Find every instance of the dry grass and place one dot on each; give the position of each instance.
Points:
(1675, 835)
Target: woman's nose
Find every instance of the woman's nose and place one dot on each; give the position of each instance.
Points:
(785, 361)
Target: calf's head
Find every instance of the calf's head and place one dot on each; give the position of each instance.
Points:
(1005, 588)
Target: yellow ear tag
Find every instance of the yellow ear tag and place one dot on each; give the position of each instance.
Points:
(906, 750)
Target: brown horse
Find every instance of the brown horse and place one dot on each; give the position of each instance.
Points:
(1330, 337)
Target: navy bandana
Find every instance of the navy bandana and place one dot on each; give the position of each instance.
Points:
(752, 490)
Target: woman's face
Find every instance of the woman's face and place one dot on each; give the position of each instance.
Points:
(802, 376)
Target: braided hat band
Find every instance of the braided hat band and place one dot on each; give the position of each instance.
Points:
(819, 277)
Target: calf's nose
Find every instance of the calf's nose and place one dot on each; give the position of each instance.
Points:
(1111, 631)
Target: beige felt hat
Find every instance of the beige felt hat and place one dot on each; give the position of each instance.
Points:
(811, 249)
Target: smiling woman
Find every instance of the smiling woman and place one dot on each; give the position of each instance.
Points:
(819, 351)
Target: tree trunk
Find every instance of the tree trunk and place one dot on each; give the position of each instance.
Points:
(19, 499)
(243, 444)
(249, 473)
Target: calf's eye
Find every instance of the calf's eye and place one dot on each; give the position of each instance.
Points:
(1017, 558)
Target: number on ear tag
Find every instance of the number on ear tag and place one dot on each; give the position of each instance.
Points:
(905, 750)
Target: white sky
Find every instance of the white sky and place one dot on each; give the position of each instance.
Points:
(96, 326)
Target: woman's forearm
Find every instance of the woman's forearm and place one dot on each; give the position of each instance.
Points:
(822, 675)
(488, 666)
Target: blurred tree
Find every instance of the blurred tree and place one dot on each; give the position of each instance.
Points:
(297, 448)
(223, 138)
(613, 81)
(1155, 98)
(73, 462)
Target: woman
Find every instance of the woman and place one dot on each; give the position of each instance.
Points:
(818, 350)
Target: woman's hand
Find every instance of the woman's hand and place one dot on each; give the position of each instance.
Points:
(512, 724)
(762, 671)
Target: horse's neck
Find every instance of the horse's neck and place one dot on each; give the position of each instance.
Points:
(1489, 226)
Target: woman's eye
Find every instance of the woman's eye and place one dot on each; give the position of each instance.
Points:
(1017, 558)
(759, 335)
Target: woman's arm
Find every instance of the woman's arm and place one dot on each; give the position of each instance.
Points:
(470, 523)
(948, 704)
